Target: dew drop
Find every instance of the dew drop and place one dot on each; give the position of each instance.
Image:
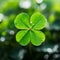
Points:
(25, 4)
(2, 39)
(39, 1)
(1, 17)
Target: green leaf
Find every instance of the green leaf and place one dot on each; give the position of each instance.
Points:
(23, 37)
(30, 29)
(38, 21)
(22, 21)
(37, 37)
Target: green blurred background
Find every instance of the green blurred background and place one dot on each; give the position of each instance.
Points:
(10, 49)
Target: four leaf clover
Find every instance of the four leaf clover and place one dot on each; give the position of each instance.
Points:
(30, 28)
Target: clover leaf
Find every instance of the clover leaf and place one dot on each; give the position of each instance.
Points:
(29, 28)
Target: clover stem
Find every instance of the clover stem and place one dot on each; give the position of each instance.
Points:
(30, 50)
